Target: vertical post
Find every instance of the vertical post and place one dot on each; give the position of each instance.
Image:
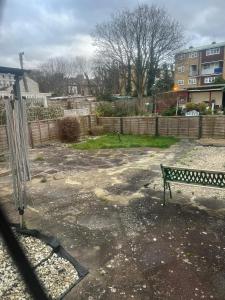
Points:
(31, 135)
(156, 126)
(164, 192)
(89, 123)
(200, 127)
(49, 136)
(39, 127)
(121, 125)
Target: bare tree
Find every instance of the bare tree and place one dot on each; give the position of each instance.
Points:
(54, 75)
(106, 77)
(142, 39)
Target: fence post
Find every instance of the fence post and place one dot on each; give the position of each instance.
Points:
(200, 127)
(121, 125)
(156, 126)
(89, 123)
(31, 135)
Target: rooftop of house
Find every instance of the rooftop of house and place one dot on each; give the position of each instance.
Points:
(14, 71)
(204, 47)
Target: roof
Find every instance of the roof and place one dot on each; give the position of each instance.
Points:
(14, 71)
(204, 47)
(207, 88)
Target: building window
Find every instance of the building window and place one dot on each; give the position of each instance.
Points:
(180, 69)
(209, 79)
(206, 66)
(181, 56)
(192, 81)
(193, 54)
(212, 51)
(180, 82)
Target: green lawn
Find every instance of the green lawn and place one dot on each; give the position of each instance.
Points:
(111, 141)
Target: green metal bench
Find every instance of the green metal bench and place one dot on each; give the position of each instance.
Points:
(214, 179)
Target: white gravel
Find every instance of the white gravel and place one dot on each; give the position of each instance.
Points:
(55, 273)
(209, 158)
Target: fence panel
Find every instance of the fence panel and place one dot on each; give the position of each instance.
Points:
(139, 125)
(111, 124)
(179, 126)
(3, 139)
(213, 127)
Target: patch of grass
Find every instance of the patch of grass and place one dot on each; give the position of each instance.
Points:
(39, 158)
(111, 141)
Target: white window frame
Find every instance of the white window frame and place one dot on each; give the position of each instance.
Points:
(181, 56)
(208, 80)
(180, 82)
(180, 69)
(192, 81)
(212, 51)
(193, 54)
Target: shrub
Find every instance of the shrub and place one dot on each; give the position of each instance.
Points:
(105, 110)
(42, 113)
(202, 107)
(171, 111)
(70, 129)
(191, 106)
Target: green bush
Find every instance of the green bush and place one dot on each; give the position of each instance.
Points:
(171, 111)
(200, 107)
(191, 106)
(105, 110)
(42, 113)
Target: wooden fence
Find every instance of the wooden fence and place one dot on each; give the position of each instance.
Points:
(41, 132)
(186, 127)
(44, 131)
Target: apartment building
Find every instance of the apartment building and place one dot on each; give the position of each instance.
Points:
(196, 70)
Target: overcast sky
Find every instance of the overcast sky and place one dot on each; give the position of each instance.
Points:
(48, 28)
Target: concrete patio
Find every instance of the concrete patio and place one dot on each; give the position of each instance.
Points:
(98, 205)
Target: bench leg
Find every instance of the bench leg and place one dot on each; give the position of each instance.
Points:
(170, 190)
(164, 194)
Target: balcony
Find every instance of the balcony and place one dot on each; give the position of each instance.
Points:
(212, 71)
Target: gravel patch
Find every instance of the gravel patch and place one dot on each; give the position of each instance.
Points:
(55, 273)
(209, 158)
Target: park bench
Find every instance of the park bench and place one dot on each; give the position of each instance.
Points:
(206, 178)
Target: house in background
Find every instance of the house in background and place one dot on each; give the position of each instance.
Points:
(80, 86)
(30, 92)
(196, 70)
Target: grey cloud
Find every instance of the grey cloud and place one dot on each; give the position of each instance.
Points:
(54, 27)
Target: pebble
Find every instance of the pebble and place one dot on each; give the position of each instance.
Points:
(55, 273)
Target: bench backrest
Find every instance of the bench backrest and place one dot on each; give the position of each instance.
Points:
(194, 176)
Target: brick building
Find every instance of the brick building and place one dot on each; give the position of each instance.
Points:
(196, 70)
